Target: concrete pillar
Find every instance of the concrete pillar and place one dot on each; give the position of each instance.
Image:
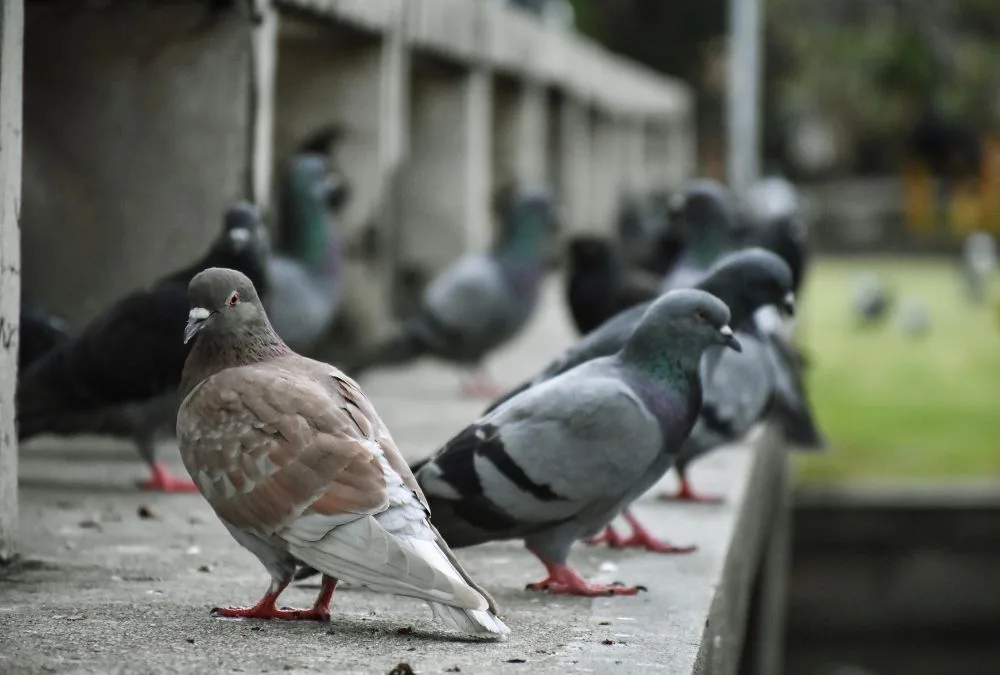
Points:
(633, 139)
(574, 165)
(332, 74)
(444, 209)
(605, 172)
(264, 41)
(136, 139)
(11, 54)
(520, 132)
(661, 169)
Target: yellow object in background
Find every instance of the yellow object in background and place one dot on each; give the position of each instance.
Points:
(990, 185)
(965, 207)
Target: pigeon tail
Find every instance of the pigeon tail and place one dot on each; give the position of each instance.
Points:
(799, 428)
(473, 621)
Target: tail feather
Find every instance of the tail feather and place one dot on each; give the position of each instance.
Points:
(472, 621)
(800, 429)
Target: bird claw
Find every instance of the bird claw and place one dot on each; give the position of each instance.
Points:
(647, 542)
(565, 581)
(686, 494)
(162, 480)
(609, 537)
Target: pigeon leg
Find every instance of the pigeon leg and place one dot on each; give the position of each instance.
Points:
(266, 609)
(162, 480)
(564, 580)
(609, 537)
(642, 538)
(481, 385)
(686, 494)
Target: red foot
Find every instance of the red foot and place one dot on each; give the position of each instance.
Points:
(641, 538)
(481, 387)
(564, 580)
(162, 480)
(609, 537)
(686, 494)
(265, 609)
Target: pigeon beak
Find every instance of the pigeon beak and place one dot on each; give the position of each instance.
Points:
(239, 237)
(729, 339)
(787, 305)
(196, 320)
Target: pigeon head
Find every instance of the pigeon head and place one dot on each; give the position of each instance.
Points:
(706, 217)
(242, 229)
(750, 279)
(676, 329)
(223, 303)
(589, 253)
(530, 219)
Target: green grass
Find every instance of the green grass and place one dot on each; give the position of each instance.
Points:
(896, 408)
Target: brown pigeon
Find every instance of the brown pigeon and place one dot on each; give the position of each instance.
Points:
(301, 470)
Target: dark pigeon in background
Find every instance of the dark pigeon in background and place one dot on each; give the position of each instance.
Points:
(483, 300)
(599, 285)
(706, 216)
(305, 274)
(39, 332)
(119, 375)
(647, 239)
(777, 223)
(557, 462)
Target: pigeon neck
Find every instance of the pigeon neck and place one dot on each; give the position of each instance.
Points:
(311, 233)
(665, 358)
(212, 353)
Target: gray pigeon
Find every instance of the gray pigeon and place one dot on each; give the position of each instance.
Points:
(483, 300)
(979, 261)
(870, 299)
(706, 216)
(914, 318)
(745, 280)
(559, 461)
(297, 464)
(304, 276)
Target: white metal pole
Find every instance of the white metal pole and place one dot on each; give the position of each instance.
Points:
(743, 103)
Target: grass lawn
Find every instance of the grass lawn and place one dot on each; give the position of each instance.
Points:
(896, 408)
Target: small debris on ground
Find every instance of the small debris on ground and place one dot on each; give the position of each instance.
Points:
(402, 668)
(453, 669)
(145, 512)
(90, 524)
(517, 660)
(205, 568)
(406, 630)
(607, 642)
(190, 641)
(603, 623)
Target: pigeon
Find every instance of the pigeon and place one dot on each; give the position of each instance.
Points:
(39, 332)
(979, 262)
(773, 207)
(745, 280)
(870, 300)
(481, 301)
(305, 274)
(648, 240)
(559, 461)
(119, 375)
(599, 284)
(297, 464)
(706, 215)
(914, 318)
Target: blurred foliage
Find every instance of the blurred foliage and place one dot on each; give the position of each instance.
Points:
(898, 408)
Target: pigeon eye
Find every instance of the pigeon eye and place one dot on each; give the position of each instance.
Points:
(700, 315)
(233, 299)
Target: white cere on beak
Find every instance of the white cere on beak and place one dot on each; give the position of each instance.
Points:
(198, 314)
(790, 298)
(239, 235)
(727, 331)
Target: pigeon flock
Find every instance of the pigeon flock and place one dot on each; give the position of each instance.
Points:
(683, 348)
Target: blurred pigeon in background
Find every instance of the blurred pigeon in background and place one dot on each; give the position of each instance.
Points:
(647, 240)
(706, 215)
(870, 300)
(481, 301)
(305, 274)
(599, 285)
(319, 480)
(557, 462)
(774, 209)
(119, 375)
(745, 280)
(979, 262)
(914, 318)
(39, 332)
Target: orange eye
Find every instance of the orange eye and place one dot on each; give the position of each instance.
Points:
(233, 299)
